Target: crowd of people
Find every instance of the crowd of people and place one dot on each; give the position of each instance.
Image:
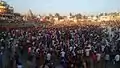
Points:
(88, 46)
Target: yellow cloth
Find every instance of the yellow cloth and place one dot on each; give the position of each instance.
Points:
(2, 7)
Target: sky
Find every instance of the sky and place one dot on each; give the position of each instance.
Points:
(65, 6)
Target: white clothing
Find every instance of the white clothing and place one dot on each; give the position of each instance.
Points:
(17, 30)
(11, 38)
(48, 56)
(87, 51)
(16, 45)
(74, 47)
(79, 51)
(28, 41)
(45, 66)
(107, 57)
(33, 38)
(19, 66)
(1, 39)
(117, 57)
(4, 34)
(73, 53)
(98, 56)
(103, 47)
(71, 48)
(62, 54)
(89, 47)
(33, 43)
(37, 50)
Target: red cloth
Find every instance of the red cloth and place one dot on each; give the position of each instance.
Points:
(29, 49)
(94, 57)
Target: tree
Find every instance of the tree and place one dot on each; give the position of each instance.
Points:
(70, 14)
(50, 15)
(116, 14)
(97, 16)
(57, 14)
(101, 14)
(84, 17)
(106, 14)
(78, 16)
(92, 15)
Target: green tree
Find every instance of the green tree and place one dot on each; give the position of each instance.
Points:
(57, 14)
(92, 15)
(101, 14)
(78, 16)
(84, 17)
(70, 14)
(97, 16)
(50, 15)
(105, 14)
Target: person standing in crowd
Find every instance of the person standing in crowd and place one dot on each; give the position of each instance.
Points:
(98, 60)
(1, 65)
(63, 59)
(107, 59)
(75, 47)
(47, 60)
(117, 61)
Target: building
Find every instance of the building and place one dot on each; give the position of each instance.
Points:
(106, 18)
